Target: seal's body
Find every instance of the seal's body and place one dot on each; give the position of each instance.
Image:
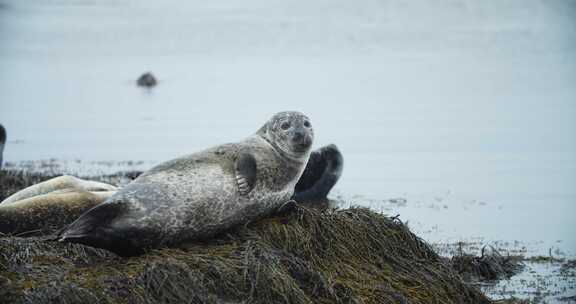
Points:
(50, 205)
(46, 213)
(58, 183)
(202, 194)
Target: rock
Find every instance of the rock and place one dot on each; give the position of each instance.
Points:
(305, 256)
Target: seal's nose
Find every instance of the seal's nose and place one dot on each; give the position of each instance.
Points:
(301, 139)
(298, 136)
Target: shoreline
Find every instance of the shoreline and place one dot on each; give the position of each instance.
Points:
(497, 289)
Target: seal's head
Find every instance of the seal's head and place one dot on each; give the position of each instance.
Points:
(2, 141)
(290, 133)
(2, 134)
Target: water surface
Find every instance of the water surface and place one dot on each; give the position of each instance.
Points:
(465, 109)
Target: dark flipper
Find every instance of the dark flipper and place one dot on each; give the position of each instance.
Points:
(98, 227)
(321, 174)
(93, 229)
(245, 173)
(122, 224)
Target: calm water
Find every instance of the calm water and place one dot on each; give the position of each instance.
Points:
(466, 109)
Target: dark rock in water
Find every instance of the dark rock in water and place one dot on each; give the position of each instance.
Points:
(147, 80)
(305, 256)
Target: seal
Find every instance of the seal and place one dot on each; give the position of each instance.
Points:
(51, 205)
(2, 142)
(197, 196)
(146, 80)
(58, 183)
(47, 213)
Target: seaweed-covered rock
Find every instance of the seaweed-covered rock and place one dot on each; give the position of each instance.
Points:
(301, 256)
(306, 256)
(490, 266)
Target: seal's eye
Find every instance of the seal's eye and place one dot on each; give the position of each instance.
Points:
(307, 124)
(285, 125)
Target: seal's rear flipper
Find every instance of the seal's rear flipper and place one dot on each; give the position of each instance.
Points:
(323, 170)
(120, 246)
(94, 228)
(90, 222)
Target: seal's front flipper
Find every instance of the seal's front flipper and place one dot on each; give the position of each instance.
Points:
(245, 173)
(321, 174)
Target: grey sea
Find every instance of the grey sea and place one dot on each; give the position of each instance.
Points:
(458, 115)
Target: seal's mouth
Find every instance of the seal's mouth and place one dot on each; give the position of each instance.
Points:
(302, 144)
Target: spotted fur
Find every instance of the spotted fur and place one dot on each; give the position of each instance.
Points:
(202, 194)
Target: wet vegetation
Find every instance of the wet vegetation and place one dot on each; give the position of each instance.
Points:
(489, 266)
(302, 256)
(307, 256)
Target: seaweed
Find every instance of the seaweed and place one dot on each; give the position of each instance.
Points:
(303, 255)
(307, 256)
(489, 266)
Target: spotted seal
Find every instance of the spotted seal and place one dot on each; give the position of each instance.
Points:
(51, 205)
(58, 183)
(202, 194)
(47, 213)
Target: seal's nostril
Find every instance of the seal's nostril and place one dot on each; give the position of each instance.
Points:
(298, 136)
